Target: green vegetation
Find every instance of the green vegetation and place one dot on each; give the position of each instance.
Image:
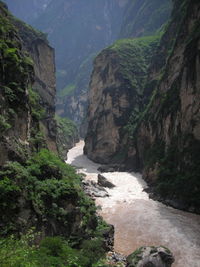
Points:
(4, 125)
(66, 125)
(50, 192)
(16, 68)
(179, 173)
(27, 32)
(37, 111)
(67, 135)
(143, 17)
(67, 90)
(43, 181)
(37, 139)
(52, 251)
(37, 189)
(135, 257)
(134, 58)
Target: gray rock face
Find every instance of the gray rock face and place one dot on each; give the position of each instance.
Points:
(44, 78)
(93, 190)
(102, 181)
(112, 97)
(150, 257)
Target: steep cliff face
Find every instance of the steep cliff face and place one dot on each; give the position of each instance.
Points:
(42, 54)
(38, 190)
(67, 135)
(88, 28)
(162, 138)
(167, 138)
(16, 78)
(117, 83)
(144, 17)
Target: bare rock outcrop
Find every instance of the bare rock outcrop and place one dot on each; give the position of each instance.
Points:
(148, 118)
(94, 190)
(166, 141)
(28, 91)
(115, 94)
(43, 56)
(102, 181)
(150, 257)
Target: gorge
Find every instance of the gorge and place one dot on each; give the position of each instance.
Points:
(139, 116)
(137, 219)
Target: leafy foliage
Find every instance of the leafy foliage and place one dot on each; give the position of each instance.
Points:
(180, 179)
(52, 251)
(46, 185)
(36, 109)
(67, 135)
(135, 55)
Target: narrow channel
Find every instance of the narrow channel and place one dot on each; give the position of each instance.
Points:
(140, 221)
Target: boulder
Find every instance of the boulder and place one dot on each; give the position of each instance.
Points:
(150, 257)
(102, 181)
(93, 190)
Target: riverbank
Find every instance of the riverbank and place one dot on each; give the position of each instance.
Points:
(139, 220)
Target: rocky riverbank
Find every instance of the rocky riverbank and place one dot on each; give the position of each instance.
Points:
(138, 220)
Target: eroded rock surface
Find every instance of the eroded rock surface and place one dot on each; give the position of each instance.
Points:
(93, 190)
(115, 90)
(102, 181)
(150, 257)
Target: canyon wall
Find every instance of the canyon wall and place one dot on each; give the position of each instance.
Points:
(131, 59)
(167, 138)
(117, 82)
(39, 191)
(143, 17)
(87, 28)
(162, 138)
(29, 86)
(42, 54)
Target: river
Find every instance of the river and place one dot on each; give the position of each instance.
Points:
(140, 221)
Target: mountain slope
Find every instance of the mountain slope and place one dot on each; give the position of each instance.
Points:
(162, 138)
(38, 190)
(117, 85)
(167, 138)
(143, 17)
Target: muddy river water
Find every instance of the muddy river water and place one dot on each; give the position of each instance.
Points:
(140, 221)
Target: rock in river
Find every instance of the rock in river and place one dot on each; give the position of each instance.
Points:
(102, 181)
(93, 190)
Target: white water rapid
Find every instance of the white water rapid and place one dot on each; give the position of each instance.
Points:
(140, 221)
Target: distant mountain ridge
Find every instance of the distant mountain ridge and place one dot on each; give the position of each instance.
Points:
(144, 17)
(28, 11)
